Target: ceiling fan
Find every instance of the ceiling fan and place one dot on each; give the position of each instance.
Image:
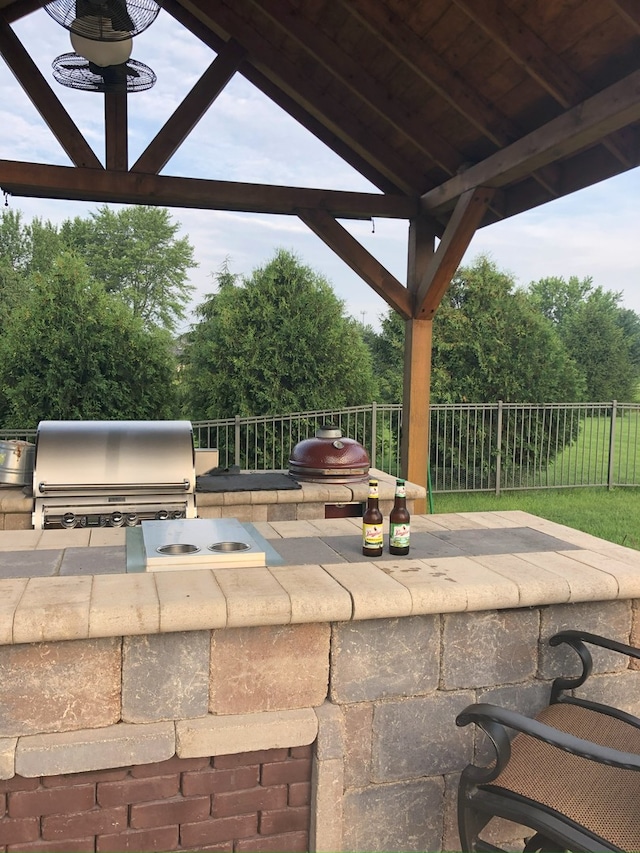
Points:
(76, 72)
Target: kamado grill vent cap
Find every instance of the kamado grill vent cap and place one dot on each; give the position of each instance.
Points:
(329, 457)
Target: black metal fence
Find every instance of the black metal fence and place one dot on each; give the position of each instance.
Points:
(473, 447)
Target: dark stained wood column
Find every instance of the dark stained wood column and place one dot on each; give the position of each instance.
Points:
(116, 131)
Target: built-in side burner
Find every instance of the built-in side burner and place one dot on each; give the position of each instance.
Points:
(197, 543)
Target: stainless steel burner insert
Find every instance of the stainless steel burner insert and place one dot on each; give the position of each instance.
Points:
(198, 543)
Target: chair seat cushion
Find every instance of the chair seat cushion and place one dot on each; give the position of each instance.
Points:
(605, 800)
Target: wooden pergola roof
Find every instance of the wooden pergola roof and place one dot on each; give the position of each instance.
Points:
(460, 112)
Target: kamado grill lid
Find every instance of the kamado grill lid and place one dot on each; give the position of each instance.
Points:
(329, 457)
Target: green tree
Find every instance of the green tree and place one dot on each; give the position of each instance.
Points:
(136, 253)
(387, 350)
(71, 351)
(489, 343)
(24, 249)
(277, 341)
(601, 337)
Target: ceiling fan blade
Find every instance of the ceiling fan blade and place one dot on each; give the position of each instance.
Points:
(114, 10)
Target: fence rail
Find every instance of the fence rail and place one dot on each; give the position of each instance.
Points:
(473, 447)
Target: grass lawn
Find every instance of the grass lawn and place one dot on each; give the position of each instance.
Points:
(612, 515)
(587, 461)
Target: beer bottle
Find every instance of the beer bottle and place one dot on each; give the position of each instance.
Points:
(399, 522)
(372, 524)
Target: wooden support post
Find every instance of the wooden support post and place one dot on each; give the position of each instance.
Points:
(417, 363)
(116, 132)
(415, 410)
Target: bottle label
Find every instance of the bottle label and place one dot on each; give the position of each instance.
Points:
(399, 535)
(401, 490)
(372, 535)
(373, 489)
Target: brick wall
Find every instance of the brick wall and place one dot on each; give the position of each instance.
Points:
(250, 801)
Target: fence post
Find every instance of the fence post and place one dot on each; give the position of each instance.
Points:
(612, 436)
(374, 433)
(237, 442)
(499, 449)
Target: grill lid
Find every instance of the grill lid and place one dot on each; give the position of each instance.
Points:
(124, 457)
(329, 458)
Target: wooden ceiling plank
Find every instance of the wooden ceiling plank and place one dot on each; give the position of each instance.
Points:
(44, 99)
(465, 221)
(116, 131)
(332, 114)
(520, 42)
(538, 60)
(285, 102)
(78, 184)
(359, 259)
(388, 26)
(356, 79)
(629, 10)
(162, 148)
(586, 124)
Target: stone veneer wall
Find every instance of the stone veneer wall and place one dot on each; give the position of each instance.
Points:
(377, 698)
(254, 801)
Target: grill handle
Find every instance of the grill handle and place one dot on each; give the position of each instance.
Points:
(113, 488)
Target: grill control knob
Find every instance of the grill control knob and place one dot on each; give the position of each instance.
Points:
(131, 519)
(162, 514)
(117, 519)
(177, 514)
(69, 520)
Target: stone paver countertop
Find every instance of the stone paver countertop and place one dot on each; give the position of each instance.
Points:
(65, 585)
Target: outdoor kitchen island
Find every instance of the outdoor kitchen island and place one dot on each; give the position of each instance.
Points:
(264, 502)
(308, 704)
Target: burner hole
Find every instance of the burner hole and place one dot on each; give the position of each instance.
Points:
(229, 546)
(177, 548)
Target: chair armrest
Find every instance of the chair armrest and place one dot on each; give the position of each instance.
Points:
(488, 716)
(573, 638)
(578, 640)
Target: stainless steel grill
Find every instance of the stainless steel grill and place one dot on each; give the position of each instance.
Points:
(112, 473)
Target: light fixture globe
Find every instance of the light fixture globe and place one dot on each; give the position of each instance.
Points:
(102, 53)
(104, 20)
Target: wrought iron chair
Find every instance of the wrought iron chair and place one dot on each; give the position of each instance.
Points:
(570, 774)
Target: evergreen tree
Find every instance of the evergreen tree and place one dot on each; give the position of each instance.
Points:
(277, 341)
(71, 351)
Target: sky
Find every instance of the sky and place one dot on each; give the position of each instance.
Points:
(245, 137)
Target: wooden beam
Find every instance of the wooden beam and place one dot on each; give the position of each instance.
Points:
(20, 8)
(358, 258)
(161, 149)
(329, 110)
(116, 131)
(467, 216)
(44, 99)
(582, 126)
(368, 89)
(43, 181)
(296, 110)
